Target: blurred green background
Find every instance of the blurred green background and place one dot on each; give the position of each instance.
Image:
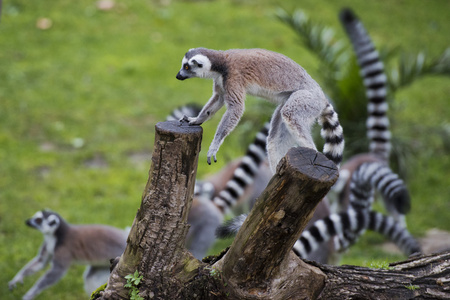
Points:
(81, 89)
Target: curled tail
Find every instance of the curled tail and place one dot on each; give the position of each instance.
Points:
(245, 173)
(350, 224)
(333, 134)
(375, 79)
(377, 175)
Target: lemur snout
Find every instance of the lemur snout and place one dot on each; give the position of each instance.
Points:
(29, 223)
(180, 77)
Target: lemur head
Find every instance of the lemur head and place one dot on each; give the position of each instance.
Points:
(45, 221)
(195, 63)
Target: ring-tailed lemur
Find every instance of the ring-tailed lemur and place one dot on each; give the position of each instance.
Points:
(65, 244)
(272, 76)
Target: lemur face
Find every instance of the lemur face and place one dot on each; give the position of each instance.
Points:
(194, 64)
(44, 221)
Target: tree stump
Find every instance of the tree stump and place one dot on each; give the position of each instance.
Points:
(156, 241)
(260, 263)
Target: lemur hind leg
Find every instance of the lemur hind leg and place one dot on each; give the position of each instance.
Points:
(300, 112)
(279, 140)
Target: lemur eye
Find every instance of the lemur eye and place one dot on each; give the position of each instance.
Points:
(186, 67)
(38, 221)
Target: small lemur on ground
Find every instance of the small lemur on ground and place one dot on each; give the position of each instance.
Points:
(65, 244)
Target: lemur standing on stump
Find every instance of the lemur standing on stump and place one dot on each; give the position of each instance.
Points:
(268, 75)
(65, 244)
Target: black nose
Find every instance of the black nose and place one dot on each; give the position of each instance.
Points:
(180, 77)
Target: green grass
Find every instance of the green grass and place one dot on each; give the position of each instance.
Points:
(92, 87)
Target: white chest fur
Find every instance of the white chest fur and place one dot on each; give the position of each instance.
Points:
(50, 243)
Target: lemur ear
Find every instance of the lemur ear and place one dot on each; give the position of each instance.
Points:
(197, 63)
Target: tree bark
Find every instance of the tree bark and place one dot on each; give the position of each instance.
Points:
(421, 277)
(259, 264)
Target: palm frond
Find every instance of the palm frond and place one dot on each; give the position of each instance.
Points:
(413, 67)
(319, 39)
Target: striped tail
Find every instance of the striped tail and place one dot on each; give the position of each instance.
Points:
(190, 110)
(231, 227)
(245, 173)
(375, 79)
(333, 135)
(378, 175)
(350, 223)
(204, 189)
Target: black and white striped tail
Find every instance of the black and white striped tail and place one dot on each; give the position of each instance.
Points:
(231, 227)
(204, 189)
(375, 79)
(333, 135)
(245, 173)
(377, 175)
(190, 110)
(350, 223)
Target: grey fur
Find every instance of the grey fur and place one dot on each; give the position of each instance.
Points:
(271, 76)
(65, 244)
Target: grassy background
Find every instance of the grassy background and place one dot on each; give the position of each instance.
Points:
(79, 101)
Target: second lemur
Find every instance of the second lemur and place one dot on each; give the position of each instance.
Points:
(271, 76)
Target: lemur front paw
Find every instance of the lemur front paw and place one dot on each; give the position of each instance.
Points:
(13, 283)
(211, 153)
(190, 120)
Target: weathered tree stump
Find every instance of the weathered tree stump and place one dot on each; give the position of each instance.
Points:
(156, 241)
(258, 264)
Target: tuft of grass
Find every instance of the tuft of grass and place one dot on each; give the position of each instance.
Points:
(412, 287)
(380, 265)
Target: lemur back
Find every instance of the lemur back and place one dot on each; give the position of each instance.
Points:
(271, 76)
